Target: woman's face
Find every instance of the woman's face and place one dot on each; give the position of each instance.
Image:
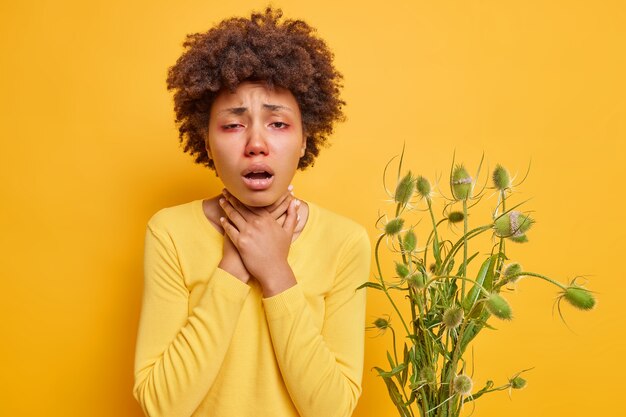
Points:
(256, 139)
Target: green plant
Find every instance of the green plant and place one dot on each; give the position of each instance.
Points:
(448, 308)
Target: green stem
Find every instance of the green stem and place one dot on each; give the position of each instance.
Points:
(501, 247)
(478, 395)
(382, 282)
(395, 355)
(451, 369)
(464, 248)
(436, 241)
(480, 287)
(395, 351)
(430, 237)
(532, 274)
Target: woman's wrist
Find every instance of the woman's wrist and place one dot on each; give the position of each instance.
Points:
(281, 280)
(235, 270)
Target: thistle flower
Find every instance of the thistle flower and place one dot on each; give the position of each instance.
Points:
(511, 270)
(579, 297)
(423, 187)
(410, 241)
(501, 178)
(461, 183)
(394, 226)
(404, 190)
(456, 216)
(402, 270)
(417, 280)
(519, 239)
(381, 323)
(453, 317)
(462, 384)
(513, 225)
(499, 307)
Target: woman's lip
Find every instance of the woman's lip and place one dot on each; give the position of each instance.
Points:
(258, 184)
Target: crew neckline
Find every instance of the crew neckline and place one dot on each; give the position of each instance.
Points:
(208, 226)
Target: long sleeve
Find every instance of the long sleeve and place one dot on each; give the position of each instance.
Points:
(323, 368)
(178, 355)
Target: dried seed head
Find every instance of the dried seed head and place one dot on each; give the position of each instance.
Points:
(453, 317)
(410, 241)
(402, 270)
(394, 226)
(432, 268)
(461, 183)
(462, 384)
(499, 307)
(501, 178)
(511, 270)
(417, 280)
(456, 216)
(513, 225)
(517, 383)
(404, 190)
(579, 297)
(423, 187)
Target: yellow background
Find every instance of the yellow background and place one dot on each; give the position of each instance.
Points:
(90, 151)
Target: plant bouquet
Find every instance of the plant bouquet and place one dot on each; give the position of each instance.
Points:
(448, 307)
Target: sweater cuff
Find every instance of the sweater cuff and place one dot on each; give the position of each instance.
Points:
(287, 302)
(228, 285)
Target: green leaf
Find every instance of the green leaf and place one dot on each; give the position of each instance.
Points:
(395, 371)
(473, 294)
(394, 394)
(405, 371)
(369, 284)
(436, 253)
(474, 327)
(491, 272)
(449, 267)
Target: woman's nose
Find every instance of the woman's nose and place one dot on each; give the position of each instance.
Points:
(256, 143)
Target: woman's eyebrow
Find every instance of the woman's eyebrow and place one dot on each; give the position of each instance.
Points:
(234, 110)
(241, 110)
(275, 107)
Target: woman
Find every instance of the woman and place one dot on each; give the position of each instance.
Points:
(250, 305)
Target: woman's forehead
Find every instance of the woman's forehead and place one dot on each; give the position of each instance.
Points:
(257, 93)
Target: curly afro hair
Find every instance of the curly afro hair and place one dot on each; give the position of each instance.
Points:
(287, 54)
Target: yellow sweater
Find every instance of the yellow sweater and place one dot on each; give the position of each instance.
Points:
(211, 345)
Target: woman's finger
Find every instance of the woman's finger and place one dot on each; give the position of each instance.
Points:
(243, 210)
(292, 217)
(233, 215)
(280, 206)
(281, 209)
(231, 231)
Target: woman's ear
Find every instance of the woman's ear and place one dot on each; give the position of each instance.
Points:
(303, 150)
(208, 150)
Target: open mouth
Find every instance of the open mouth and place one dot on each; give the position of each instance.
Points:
(258, 180)
(258, 175)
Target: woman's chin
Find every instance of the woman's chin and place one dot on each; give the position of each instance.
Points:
(257, 199)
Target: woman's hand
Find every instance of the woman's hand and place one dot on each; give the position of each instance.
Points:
(262, 242)
(231, 260)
